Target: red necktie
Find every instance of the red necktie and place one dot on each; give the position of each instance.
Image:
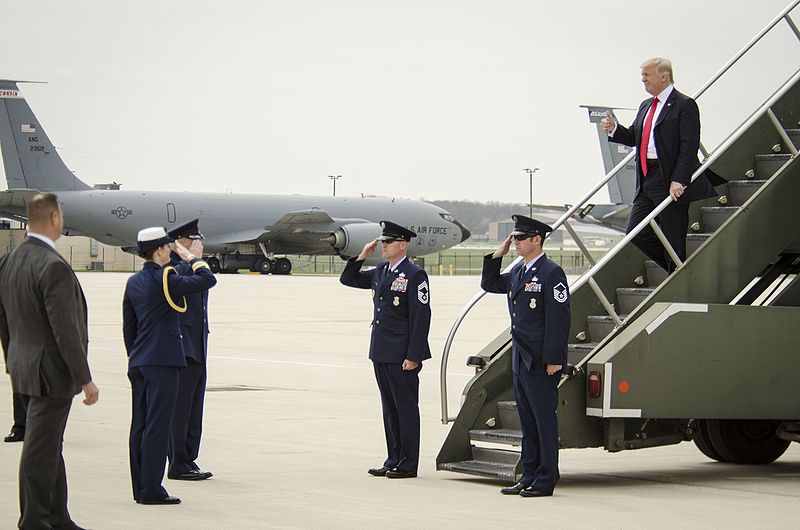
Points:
(648, 125)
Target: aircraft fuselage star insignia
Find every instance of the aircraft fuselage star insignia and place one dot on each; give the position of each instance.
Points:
(121, 212)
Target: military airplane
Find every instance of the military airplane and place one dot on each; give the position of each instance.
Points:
(241, 230)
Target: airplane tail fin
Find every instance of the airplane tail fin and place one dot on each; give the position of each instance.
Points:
(30, 160)
(622, 188)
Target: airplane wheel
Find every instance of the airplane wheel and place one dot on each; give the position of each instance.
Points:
(702, 441)
(283, 266)
(746, 441)
(265, 266)
(213, 264)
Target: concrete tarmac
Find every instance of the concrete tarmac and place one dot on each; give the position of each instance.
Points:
(293, 422)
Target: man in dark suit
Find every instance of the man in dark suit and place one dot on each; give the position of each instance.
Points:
(399, 342)
(187, 423)
(538, 302)
(666, 134)
(154, 297)
(43, 329)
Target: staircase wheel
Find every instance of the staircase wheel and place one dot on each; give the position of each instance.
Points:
(746, 441)
(702, 441)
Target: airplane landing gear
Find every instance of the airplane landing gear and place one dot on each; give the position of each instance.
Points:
(283, 266)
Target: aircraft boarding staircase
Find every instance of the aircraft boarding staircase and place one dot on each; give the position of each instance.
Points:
(707, 353)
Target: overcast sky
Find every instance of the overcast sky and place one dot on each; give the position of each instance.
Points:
(420, 99)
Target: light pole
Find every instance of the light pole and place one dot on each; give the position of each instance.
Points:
(334, 178)
(530, 173)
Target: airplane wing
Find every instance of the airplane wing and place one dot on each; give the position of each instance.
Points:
(310, 231)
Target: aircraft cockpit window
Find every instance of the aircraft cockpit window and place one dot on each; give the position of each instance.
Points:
(448, 217)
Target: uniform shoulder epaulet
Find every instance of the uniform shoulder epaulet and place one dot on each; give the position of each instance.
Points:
(165, 283)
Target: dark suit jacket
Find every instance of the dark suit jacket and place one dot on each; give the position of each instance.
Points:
(150, 326)
(43, 325)
(401, 313)
(539, 306)
(677, 140)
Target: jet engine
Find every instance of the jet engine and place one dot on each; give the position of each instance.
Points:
(349, 239)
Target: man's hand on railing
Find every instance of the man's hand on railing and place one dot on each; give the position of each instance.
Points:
(502, 250)
(676, 190)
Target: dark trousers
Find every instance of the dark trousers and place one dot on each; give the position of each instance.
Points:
(20, 406)
(400, 401)
(42, 477)
(154, 390)
(537, 400)
(673, 221)
(187, 424)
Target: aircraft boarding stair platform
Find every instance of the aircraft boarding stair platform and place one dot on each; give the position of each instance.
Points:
(708, 353)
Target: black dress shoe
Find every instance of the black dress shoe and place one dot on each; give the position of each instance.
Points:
(379, 471)
(15, 436)
(400, 473)
(169, 499)
(194, 474)
(530, 491)
(513, 490)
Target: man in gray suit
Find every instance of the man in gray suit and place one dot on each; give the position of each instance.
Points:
(43, 330)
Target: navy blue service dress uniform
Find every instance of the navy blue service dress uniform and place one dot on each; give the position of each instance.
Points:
(187, 423)
(154, 298)
(400, 324)
(538, 303)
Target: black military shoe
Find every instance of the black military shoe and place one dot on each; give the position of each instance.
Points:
(379, 471)
(531, 491)
(169, 499)
(513, 490)
(16, 435)
(194, 474)
(400, 473)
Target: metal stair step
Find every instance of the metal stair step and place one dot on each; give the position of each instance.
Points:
(509, 417)
(501, 472)
(693, 242)
(714, 216)
(500, 436)
(655, 274)
(630, 297)
(600, 326)
(767, 165)
(578, 350)
(739, 191)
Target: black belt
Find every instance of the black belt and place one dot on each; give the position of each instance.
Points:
(652, 162)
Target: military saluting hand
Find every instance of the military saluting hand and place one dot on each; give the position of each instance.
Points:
(608, 123)
(502, 250)
(369, 249)
(195, 250)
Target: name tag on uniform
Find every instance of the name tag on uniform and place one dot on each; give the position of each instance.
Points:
(400, 285)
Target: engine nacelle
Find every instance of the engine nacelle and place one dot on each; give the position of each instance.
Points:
(349, 239)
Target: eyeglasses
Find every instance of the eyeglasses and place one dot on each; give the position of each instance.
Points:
(523, 237)
(196, 236)
(389, 241)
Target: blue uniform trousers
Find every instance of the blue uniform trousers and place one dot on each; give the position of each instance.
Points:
(537, 400)
(400, 401)
(154, 391)
(187, 424)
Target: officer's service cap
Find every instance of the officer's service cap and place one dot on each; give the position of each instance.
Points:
(395, 231)
(151, 238)
(530, 227)
(189, 230)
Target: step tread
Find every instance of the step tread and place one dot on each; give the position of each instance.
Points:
(603, 318)
(506, 436)
(640, 291)
(719, 209)
(504, 472)
(746, 183)
(701, 237)
(773, 156)
(587, 346)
